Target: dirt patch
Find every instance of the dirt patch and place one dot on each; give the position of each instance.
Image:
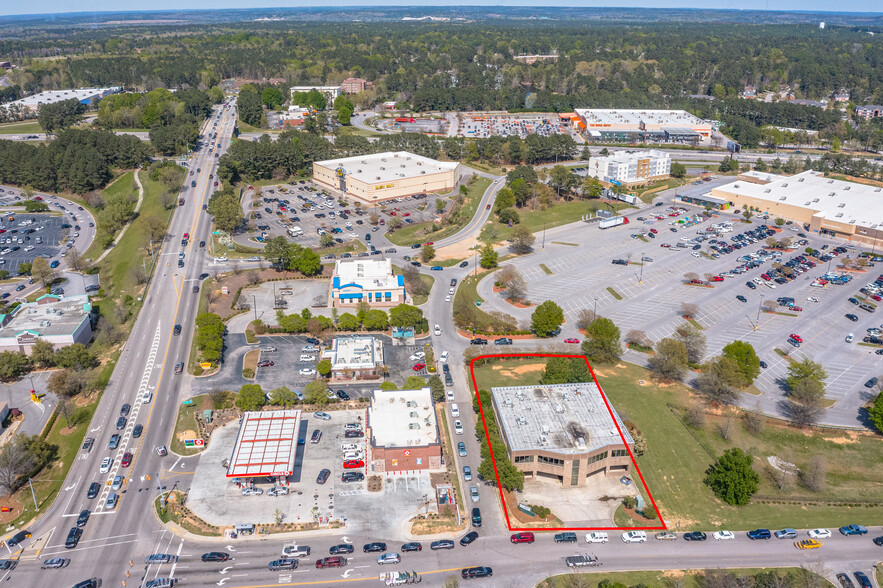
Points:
(843, 440)
(188, 434)
(223, 303)
(433, 523)
(375, 483)
(519, 370)
(458, 250)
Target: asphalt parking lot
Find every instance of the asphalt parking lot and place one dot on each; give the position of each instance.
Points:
(334, 219)
(652, 295)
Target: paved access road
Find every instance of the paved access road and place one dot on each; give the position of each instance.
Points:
(113, 536)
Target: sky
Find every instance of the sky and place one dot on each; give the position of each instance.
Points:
(59, 6)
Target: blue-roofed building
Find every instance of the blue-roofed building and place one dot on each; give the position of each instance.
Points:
(368, 280)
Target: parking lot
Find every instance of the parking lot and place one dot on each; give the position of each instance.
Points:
(300, 211)
(653, 292)
(510, 125)
(219, 501)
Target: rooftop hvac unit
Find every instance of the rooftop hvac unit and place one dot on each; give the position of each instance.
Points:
(402, 166)
(559, 409)
(45, 324)
(507, 402)
(807, 203)
(785, 185)
(546, 430)
(832, 194)
(815, 199)
(363, 162)
(377, 178)
(783, 199)
(413, 415)
(830, 181)
(412, 404)
(580, 442)
(839, 214)
(521, 420)
(846, 187)
(382, 168)
(542, 440)
(358, 171)
(414, 426)
(801, 179)
(767, 191)
(877, 190)
(841, 205)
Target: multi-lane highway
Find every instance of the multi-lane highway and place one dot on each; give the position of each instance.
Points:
(114, 535)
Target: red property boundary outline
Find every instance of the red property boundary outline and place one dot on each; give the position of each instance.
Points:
(618, 430)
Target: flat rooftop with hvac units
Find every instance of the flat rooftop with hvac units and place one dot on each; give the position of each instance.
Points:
(403, 430)
(384, 176)
(637, 125)
(265, 445)
(355, 358)
(562, 431)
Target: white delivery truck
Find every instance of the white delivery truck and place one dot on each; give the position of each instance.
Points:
(613, 221)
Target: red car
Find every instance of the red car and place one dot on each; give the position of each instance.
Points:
(796, 337)
(282, 208)
(765, 277)
(419, 366)
(654, 231)
(876, 297)
(186, 236)
(524, 537)
(430, 243)
(353, 464)
(393, 213)
(265, 363)
(796, 308)
(666, 245)
(571, 340)
(407, 214)
(127, 459)
(251, 187)
(716, 279)
(216, 183)
(330, 562)
(38, 198)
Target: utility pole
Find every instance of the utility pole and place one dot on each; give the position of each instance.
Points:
(255, 304)
(641, 276)
(34, 496)
(162, 495)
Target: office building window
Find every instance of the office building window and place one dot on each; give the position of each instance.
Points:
(599, 457)
(619, 453)
(574, 473)
(550, 461)
(523, 459)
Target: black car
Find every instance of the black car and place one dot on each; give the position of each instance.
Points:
(565, 537)
(695, 536)
(176, 330)
(374, 547)
(282, 564)
(741, 298)
(871, 383)
(352, 477)
(342, 548)
(441, 544)
(354, 434)
(136, 432)
(845, 581)
(501, 341)
(203, 276)
(468, 538)
(343, 395)
(878, 540)
(478, 341)
(215, 556)
(464, 263)
(413, 546)
(863, 580)
(313, 341)
(125, 410)
(73, 537)
(121, 423)
(83, 518)
(852, 317)
(323, 476)
(94, 489)
(476, 572)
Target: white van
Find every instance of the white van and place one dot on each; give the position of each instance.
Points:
(352, 455)
(348, 447)
(597, 537)
(455, 410)
(458, 427)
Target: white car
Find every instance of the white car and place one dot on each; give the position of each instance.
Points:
(757, 281)
(437, 330)
(417, 355)
(770, 285)
(220, 259)
(458, 427)
(444, 357)
(634, 537)
(306, 372)
(105, 465)
(819, 534)
(695, 254)
(450, 394)
(723, 535)
(447, 298)
(597, 537)
(252, 491)
(473, 493)
(813, 299)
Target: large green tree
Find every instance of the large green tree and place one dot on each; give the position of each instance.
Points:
(250, 397)
(546, 319)
(670, 360)
(732, 479)
(602, 343)
(405, 315)
(746, 359)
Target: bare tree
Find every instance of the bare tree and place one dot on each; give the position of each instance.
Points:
(814, 475)
(770, 305)
(138, 274)
(753, 420)
(707, 277)
(690, 276)
(584, 318)
(253, 278)
(695, 417)
(75, 259)
(14, 461)
(725, 428)
(167, 199)
(639, 337)
(689, 310)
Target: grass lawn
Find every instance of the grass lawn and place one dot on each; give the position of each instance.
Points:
(25, 127)
(239, 251)
(124, 184)
(247, 128)
(467, 294)
(354, 246)
(117, 268)
(648, 194)
(497, 171)
(447, 262)
(560, 213)
(186, 421)
(430, 231)
(358, 132)
(653, 579)
(677, 457)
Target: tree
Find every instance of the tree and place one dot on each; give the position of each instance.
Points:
(670, 360)
(806, 369)
(717, 380)
(438, 388)
(875, 413)
(250, 397)
(43, 353)
(427, 253)
(546, 319)
(694, 340)
(563, 370)
(440, 205)
(678, 170)
(13, 463)
(283, 397)
(505, 199)
(508, 216)
(602, 342)
(747, 213)
(326, 240)
(522, 240)
(637, 337)
(41, 272)
(746, 359)
(414, 383)
(13, 364)
(563, 179)
(732, 479)
(307, 262)
(347, 322)
(76, 356)
(316, 392)
(405, 315)
(324, 367)
(226, 211)
(689, 309)
(779, 222)
(488, 257)
(60, 115)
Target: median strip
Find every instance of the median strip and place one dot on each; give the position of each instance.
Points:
(545, 268)
(614, 293)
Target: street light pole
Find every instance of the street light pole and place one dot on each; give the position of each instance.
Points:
(758, 312)
(544, 236)
(595, 310)
(641, 276)
(255, 303)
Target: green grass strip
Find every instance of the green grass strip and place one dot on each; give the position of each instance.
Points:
(614, 293)
(545, 269)
(563, 243)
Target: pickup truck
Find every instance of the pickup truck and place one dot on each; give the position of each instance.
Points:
(580, 561)
(619, 262)
(854, 530)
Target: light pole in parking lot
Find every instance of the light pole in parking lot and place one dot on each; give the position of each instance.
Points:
(758, 312)
(641, 275)
(595, 310)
